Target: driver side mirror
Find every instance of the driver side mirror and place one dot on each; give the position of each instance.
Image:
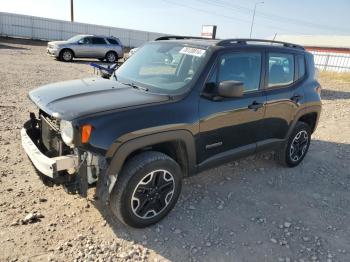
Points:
(230, 88)
(81, 42)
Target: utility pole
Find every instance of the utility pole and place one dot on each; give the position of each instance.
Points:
(251, 26)
(71, 11)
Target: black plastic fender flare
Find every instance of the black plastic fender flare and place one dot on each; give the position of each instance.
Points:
(307, 110)
(123, 151)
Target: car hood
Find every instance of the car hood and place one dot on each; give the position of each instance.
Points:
(57, 43)
(73, 99)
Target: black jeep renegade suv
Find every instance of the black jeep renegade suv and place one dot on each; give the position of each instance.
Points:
(178, 106)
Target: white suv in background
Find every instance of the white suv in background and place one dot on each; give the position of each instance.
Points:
(107, 48)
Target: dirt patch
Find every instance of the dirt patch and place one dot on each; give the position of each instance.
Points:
(247, 210)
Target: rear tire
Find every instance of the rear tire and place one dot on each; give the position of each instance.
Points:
(146, 190)
(66, 55)
(111, 57)
(295, 148)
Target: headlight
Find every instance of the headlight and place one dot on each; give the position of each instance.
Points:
(67, 132)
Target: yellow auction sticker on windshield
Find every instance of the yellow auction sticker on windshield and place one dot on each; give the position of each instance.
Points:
(192, 51)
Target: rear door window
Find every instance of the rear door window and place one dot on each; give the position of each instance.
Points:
(281, 69)
(98, 41)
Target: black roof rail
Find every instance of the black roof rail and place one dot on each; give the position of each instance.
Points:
(175, 37)
(244, 41)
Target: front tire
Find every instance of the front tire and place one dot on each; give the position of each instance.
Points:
(294, 150)
(66, 55)
(146, 190)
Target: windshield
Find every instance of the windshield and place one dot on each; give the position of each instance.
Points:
(162, 67)
(74, 39)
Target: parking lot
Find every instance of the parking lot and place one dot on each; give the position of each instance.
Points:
(248, 210)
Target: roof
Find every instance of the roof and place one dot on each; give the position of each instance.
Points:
(191, 40)
(104, 36)
(327, 41)
(227, 42)
(195, 42)
(84, 35)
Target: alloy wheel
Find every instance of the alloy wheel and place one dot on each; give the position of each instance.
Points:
(152, 194)
(111, 57)
(67, 56)
(299, 145)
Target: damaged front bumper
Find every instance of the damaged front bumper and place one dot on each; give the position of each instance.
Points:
(47, 166)
(69, 170)
(76, 171)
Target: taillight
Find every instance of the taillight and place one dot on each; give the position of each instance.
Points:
(85, 133)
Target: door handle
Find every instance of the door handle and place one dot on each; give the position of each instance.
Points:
(296, 98)
(255, 105)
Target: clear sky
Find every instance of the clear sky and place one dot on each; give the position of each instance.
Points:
(233, 17)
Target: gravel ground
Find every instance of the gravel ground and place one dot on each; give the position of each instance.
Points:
(247, 210)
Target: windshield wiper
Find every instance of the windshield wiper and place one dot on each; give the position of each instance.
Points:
(136, 87)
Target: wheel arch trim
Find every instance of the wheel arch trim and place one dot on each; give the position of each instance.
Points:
(316, 109)
(124, 150)
(112, 51)
(66, 48)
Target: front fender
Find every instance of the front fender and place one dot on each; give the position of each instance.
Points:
(125, 149)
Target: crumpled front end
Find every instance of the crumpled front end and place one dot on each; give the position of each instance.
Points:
(75, 169)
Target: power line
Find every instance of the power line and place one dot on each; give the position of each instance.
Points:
(270, 16)
(228, 17)
(206, 11)
(273, 17)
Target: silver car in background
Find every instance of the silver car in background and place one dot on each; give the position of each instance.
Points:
(107, 48)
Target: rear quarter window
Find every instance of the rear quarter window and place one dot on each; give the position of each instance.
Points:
(301, 66)
(112, 41)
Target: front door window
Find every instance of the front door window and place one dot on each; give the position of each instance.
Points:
(244, 67)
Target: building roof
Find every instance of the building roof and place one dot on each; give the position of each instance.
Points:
(327, 41)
